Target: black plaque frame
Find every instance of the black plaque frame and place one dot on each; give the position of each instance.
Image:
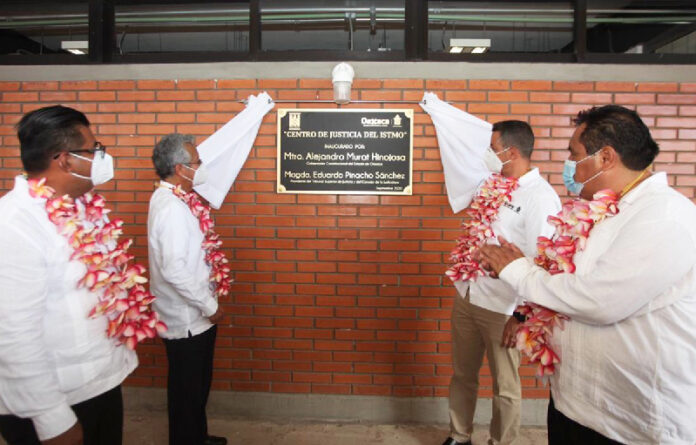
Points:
(312, 185)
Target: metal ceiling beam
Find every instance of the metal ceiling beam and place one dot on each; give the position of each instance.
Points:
(102, 31)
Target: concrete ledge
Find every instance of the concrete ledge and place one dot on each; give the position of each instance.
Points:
(329, 408)
(363, 70)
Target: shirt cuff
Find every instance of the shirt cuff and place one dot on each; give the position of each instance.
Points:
(210, 306)
(54, 422)
(514, 272)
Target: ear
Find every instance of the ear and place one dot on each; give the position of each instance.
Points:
(609, 157)
(179, 169)
(514, 153)
(64, 161)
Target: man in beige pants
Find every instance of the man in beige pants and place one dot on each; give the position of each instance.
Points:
(481, 321)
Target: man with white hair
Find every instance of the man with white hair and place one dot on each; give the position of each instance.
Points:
(188, 273)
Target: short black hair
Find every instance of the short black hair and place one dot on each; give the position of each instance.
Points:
(46, 131)
(620, 128)
(517, 133)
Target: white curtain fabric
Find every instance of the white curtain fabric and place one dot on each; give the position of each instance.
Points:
(463, 140)
(226, 150)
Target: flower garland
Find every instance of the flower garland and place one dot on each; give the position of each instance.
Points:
(94, 240)
(479, 217)
(573, 225)
(214, 257)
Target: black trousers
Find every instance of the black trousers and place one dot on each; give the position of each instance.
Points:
(101, 418)
(565, 431)
(188, 385)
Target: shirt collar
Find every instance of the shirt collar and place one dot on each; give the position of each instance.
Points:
(656, 180)
(528, 177)
(166, 184)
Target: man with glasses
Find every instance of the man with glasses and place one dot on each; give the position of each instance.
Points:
(60, 374)
(481, 321)
(180, 279)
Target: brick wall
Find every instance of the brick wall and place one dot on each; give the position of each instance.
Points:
(335, 294)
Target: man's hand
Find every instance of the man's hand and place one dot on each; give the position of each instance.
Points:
(73, 436)
(217, 316)
(497, 257)
(509, 339)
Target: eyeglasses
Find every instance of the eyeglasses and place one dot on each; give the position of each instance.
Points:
(98, 149)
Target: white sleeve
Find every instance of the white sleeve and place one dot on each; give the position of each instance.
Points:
(463, 140)
(536, 224)
(28, 386)
(638, 266)
(172, 238)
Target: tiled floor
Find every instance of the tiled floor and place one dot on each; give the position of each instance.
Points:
(152, 430)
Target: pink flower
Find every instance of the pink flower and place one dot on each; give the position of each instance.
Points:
(211, 243)
(95, 244)
(572, 229)
(476, 227)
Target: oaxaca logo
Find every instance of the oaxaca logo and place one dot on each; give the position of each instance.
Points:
(374, 122)
(294, 121)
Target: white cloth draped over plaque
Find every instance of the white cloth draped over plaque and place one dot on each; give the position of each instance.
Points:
(463, 140)
(226, 150)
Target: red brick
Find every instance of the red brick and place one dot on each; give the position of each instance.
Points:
(592, 98)
(540, 121)
(79, 85)
(39, 86)
(531, 85)
(686, 99)
(9, 86)
(634, 98)
(656, 110)
(98, 96)
(530, 108)
(549, 97)
(508, 96)
(660, 87)
(573, 86)
(678, 122)
(20, 97)
(615, 86)
(465, 96)
(116, 84)
(475, 84)
(477, 108)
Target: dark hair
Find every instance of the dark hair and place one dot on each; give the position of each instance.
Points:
(44, 132)
(517, 133)
(621, 129)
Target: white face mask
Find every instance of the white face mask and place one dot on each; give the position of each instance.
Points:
(492, 160)
(102, 168)
(199, 177)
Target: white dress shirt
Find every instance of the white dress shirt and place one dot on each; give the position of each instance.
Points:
(51, 354)
(628, 354)
(521, 222)
(179, 275)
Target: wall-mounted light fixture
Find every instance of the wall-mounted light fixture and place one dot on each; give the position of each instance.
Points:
(79, 47)
(473, 46)
(342, 78)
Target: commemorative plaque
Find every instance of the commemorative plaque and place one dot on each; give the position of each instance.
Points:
(347, 151)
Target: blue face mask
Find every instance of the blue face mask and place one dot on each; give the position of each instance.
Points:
(573, 186)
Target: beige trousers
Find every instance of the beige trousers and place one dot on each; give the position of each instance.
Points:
(474, 331)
